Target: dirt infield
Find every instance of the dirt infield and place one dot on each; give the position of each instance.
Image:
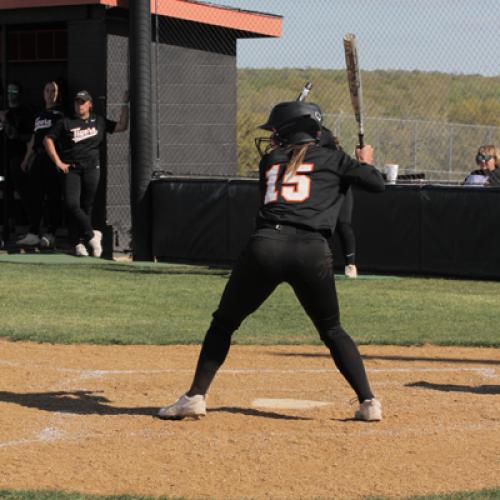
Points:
(79, 418)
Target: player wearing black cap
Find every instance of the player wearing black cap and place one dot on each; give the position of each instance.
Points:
(301, 198)
(77, 155)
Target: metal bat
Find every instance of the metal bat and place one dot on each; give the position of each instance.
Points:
(354, 80)
(303, 93)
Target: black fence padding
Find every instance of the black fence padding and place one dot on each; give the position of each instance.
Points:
(386, 226)
(461, 231)
(190, 221)
(243, 204)
(435, 230)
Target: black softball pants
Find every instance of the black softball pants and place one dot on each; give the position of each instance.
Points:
(304, 260)
(44, 179)
(79, 194)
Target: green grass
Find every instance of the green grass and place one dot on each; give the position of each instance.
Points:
(488, 494)
(59, 495)
(104, 302)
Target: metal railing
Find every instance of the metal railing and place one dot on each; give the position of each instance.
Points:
(442, 151)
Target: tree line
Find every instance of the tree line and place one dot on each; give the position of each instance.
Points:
(402, 95)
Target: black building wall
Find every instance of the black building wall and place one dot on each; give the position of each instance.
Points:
(194, 75)
(118, 211)
(196, 91)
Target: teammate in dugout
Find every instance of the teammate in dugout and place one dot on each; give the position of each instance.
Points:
(78, 142)
(300, 190)
(43, 176)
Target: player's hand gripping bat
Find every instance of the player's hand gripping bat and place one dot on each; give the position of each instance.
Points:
(354, 80)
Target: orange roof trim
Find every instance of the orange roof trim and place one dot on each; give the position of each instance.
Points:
(190, 10)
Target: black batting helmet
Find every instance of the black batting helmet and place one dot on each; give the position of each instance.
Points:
(295, 122)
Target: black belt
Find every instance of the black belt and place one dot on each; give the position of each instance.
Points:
(291, 229)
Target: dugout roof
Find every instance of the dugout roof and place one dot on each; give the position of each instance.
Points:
(257, 23)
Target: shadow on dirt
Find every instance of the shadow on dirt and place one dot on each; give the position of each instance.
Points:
(251, 412)
(77, 402)
(91, 403)
(395, 358)
(479, 389)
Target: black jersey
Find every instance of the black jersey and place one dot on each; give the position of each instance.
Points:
(78, 140)
(489, 177)
(313, 196)
(44, 121)
(19, 127)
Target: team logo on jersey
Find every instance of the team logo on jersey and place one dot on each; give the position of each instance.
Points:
(83, 134)
(42, 123)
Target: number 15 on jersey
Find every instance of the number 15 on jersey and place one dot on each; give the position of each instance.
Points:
(295, 188)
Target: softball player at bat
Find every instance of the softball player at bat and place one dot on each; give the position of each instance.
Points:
(301, 198)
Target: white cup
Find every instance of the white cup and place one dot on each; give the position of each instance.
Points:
(391, 172)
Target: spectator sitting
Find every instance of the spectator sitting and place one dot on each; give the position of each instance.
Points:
(488, 174)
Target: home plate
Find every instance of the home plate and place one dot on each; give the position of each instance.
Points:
(290, 404)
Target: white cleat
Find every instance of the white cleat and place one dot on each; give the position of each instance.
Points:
(370, 410)
(185, 406)
(351, 271)
(81, 250)
(95, 243)
(47, 240)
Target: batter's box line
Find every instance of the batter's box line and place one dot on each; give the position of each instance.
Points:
(96, 373)
(88, 374)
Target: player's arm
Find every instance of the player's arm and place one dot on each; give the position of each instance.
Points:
(50, 147)
(361, 171)
(29, 152)
(122, 123)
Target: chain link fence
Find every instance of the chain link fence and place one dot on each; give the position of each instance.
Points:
(430, 71)
(442, 151)
(431, 88)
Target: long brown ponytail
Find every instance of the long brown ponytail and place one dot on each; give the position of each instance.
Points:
(299, 152)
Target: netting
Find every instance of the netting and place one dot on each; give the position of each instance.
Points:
(430, 73)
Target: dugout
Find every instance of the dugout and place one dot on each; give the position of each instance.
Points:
(408, 229)
(84, 44)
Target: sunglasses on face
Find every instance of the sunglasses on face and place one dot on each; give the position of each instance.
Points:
(480, 158)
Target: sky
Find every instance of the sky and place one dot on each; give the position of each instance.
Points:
(449, 36)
